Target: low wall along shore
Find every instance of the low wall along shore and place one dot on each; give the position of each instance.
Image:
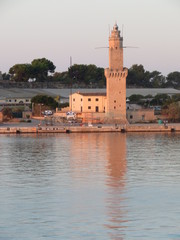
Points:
(92, 129)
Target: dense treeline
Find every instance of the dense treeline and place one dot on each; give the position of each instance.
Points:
(38, 70)
(139, 77)
(41, 70)
(88, 75)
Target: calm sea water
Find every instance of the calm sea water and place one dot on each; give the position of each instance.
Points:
(90, 186)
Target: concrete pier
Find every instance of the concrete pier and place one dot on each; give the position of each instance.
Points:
(92, 129)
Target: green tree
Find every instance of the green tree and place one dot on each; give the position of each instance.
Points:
(20, 72)
(45, 100)
(7, 112)
(173, 80)
(161, 99)
(77, 73)
(157, 80)
(137, 76)
(40, 69)
(87, 74)
(135, 98)
(6, 76)
(174, 112)
(176, 97)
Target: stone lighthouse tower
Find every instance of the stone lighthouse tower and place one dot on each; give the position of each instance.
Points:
(116, 79)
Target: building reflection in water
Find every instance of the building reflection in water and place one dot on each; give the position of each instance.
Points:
(116, 182)
(102, 157)
(88, 156)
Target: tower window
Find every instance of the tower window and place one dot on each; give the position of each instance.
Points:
(114, 101)
(89, 99)
(81, 99)
(97, 99)
(89, 107)
(73, 99)
(114, 107)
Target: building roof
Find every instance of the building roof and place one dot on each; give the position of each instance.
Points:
(92, 93)
(31, 92)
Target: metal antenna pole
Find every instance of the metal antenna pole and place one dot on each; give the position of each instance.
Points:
(71, 82)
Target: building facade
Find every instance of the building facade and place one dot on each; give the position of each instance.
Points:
(88, 102)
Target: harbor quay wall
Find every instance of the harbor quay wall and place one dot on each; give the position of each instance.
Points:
(153, 128)
(92, 129)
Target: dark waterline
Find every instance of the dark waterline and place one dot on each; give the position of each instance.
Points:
(90, 186)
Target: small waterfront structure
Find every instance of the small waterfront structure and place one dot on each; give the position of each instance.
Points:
(142, 115)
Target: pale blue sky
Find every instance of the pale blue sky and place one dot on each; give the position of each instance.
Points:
(58, 29)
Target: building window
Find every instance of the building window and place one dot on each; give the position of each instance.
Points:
(9, 100)
(27, 100)
(89, 99)
(114, 107)
(89, 107)
(73, 99)
(131, 116)
(97, 99)
(143, 117)
(15, 100)
(114, 101)
(81, 99)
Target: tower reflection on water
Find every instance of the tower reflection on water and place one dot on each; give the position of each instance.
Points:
(116, 182)
(107, 153)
